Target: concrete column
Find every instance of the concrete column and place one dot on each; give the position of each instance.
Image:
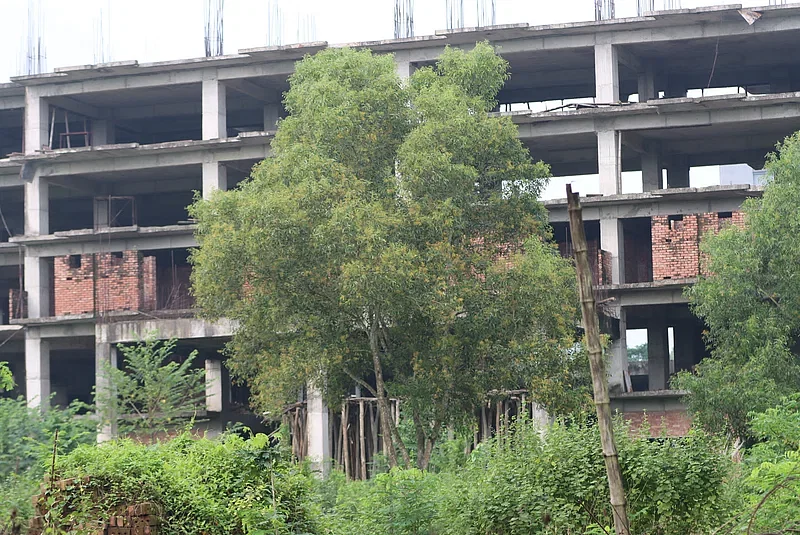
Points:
(647, 84)
(318, 435)
(405, 68)
(37, 121)
(678, 172)
(652, 178)
(606, 74)
(215, 120)
(611, 240)
(618, 356)
(215, 176)
(609, 166)
(213, 385)
(686, 339)
(37, 206)
(37, 369)
(37, 286)
(102, 132)
(658, 355)
(105, 357)
(272, 112)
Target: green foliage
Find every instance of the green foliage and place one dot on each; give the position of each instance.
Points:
(751, 303)
(529, 483)
(400, 502)
(154, 391)
(525, 484)
(26, 447)
(394, 233)
(638, 353)
(6, 378)
(227, 485)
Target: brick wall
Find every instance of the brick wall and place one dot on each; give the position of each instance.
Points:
(675, 423)
(676, 242)
(112, 281)
(16, 309)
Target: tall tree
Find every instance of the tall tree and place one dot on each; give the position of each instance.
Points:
(394, 240)
(750, 303)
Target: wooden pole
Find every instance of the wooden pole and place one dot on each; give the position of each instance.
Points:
(597, 365)
(362, 439)
(345, 440)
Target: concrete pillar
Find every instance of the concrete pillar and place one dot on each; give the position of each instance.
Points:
(37, 286)
(405, 68)
(105, 358)
(611, 240)
(686, 338)
(609, 166)
(606, 74)
(213, 385)
(618, 356)
(37, 206)
(318, 434)
(647, 84)
(652, 177)
(37, 121)
(215, 120)
(272, 112)
(37, 369)
(215, 176)
(102, 132)
(678, 172)
(658, 355)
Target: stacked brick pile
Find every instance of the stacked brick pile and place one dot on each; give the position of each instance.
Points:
(104, 282)
(55, 501)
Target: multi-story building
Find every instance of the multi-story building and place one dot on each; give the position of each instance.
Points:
(98, 162)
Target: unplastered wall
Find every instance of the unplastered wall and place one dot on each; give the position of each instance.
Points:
(676, 242)
(104, 282)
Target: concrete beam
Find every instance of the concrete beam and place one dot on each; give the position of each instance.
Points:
(213, 385)
(254, 91)
(80, 108)
(14, 102)
(109, 240)
(181, 328)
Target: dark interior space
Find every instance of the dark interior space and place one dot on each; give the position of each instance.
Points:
(72, 375)
(10, 131)
(10, 279)
(12, 213)
(563, 239)
(173, 282)
(162, 209)
(638, 249)
(71, 213)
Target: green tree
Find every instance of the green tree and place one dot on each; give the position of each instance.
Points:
(638, 353)
(6, 378)
(153, 391)
(750, 303)
(394, 239)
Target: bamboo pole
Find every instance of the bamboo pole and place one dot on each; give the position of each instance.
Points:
(362, 440)
(597, 365)
(345, 441)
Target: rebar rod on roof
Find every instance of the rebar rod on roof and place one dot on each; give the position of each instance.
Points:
(487, 13)
(403, 19)
(214, 11)
(454, 13)
(604, 9)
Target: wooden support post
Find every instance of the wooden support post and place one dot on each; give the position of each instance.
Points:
(345, 440)
(362, 439)
(597, 365)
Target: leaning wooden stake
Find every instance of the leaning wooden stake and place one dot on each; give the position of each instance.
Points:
(597, 366)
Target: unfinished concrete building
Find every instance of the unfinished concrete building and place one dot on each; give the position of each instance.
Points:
(98, 162)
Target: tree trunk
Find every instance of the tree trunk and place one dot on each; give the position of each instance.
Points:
(383, 402)
(597, 365)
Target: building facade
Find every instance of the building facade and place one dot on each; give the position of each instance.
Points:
(98, 162)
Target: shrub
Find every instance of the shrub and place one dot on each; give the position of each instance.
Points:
(220, 486)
